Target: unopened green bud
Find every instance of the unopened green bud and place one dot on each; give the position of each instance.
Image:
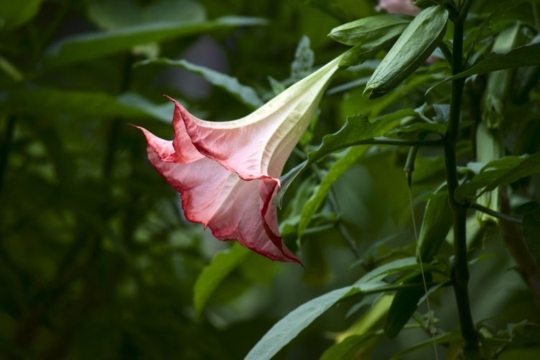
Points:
(410, 51)
(370, 28)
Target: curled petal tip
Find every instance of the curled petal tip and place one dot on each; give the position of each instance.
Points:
(170, 98)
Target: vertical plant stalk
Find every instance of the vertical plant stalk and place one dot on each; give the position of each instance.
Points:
(460, 271)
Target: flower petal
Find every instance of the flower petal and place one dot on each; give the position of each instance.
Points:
(258, 145)
(228, 172)
(231, 207)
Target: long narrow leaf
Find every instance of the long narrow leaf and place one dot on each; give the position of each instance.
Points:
(221, 266)
(81, 103)
(93, 45)
(527, 167)
(355, 132)
(527, 55)
(230, 84)
(297, 320)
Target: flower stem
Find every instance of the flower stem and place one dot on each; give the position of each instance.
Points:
(460, 271)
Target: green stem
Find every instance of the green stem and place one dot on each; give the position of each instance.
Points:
(446, 52)
(464, 10)
(496, 214)
(460, 272)
(409, 164)
(332, 198)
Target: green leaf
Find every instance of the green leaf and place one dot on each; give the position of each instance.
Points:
(163, 112)
(122, 13)
(290, 326)
(404, 305)
(369, 36)
(230, 84)
(337, 169)
(16, 13)
(527, 55)
(303, 60)
(223, 263)
(488, 175)
(9, 68)
(356, 131)
(442, 111)
(348, 86)
(93, 45)
(345, 10)
(414, 130)
(379, 27)
(286, 180)
(294, 208)
(480, 258)
(390, 268)
(527, 167)
(435, 225)
(489, 147)
(349, 345)
(81, 103)
(498, 82)
(358, 54)
(439, 339)
(347, 349)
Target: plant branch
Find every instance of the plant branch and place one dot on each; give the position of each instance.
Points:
(460, 272)
(496, 214)
(464, 11)
(409, 164)
(332, 198)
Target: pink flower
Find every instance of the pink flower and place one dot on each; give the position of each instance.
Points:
(398, 7)
(228, 172)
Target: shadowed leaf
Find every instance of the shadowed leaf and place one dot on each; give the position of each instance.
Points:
(230, 84)
(209, 279)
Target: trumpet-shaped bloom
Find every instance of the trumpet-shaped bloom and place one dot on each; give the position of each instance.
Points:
(228, 172)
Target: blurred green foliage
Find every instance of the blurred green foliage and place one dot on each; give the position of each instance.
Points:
(96, 258)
